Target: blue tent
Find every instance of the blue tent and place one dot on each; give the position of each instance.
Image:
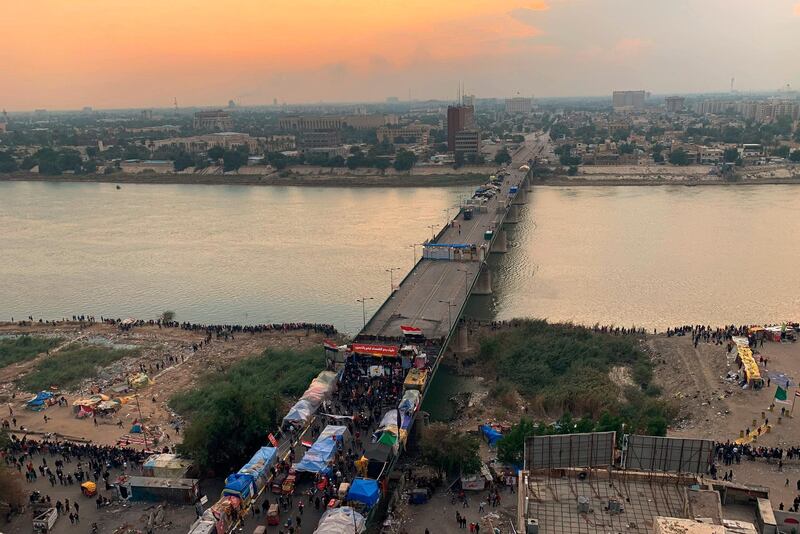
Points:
(39, 400)
(491, 435)
(364, 490)
(239, 485)
(316, 459)
(260, 463)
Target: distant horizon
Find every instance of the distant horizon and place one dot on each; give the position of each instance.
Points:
(343, 103)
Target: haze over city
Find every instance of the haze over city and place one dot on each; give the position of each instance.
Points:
(66, 55)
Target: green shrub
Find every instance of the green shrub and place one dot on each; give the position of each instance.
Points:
(24, 348)
(71, 365)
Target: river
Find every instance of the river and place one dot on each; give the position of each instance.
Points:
(650, 256)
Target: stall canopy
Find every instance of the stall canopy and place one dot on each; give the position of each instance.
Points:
(409, 402)
(300, 413)
(320, 389)
(369, 349)
(316, 459)
(491, 435)
(342, 520)
(364, 490)
(39, 400)
(166, 465)
(239, 485)
(259, 464)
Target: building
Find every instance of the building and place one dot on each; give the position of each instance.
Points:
(3, 127)
(203, 143)
(519, 104)
(673, 104)
(787, 108)
(335, 122)
(316, 139)
(213, 121)
(468, 100)
(410, 134)
(468, 142)
(458, 118)
(280, 143)
(146, 115)
(628, 100)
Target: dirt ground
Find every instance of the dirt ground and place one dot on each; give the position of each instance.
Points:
(156, 346)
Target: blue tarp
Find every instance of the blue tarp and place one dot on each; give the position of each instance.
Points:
(260, 463)
(364, 490)
(316, 459)
(448, 245)
(491, 435)
(239, 485)
(39, 399)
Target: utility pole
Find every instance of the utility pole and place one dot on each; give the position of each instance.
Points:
(450, 306)
(433, 231)
(466, 282)
(141, 421)
(391, 271)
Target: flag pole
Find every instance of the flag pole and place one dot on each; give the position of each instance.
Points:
(794, 401)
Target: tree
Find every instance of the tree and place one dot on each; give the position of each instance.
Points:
(216, 152)
(502, 156)
(183, 160)
(781, 152)
(730, 155)
(7, 162)
(449, 451)
(277, 160)
(679, 157)
(795, 156)
(336, 161)
(458, 160)
(510, 448)
(404, 160)
(233, 159)
(382, 164)
(168, 316)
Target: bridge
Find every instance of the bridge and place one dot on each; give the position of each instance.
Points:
(433, 295)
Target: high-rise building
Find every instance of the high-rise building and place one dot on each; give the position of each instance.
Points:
(468, 100)
(468, 142)
(458, 118)
(214, 121)
(627, 100)
(674, 104)
(519, 104)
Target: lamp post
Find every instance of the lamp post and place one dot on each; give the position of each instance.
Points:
(391, 271)
(363, 301)
(433, 231)
(450, 305)
(413, 247)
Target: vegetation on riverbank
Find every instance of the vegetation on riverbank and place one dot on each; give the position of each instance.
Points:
(230, 414)
(562, 370)
(24, 348)
(450, 451)
(71, 365)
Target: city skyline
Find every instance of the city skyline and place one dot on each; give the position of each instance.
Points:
(126, 55)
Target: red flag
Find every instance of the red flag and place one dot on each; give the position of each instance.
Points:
(272, 440)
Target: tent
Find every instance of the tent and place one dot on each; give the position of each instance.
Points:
(364, 490)
(239, 485)
(300, 412)
(342, 520)
(259, 464)
(39, 402)
(491, 435)
(410, 401)
(316, 459)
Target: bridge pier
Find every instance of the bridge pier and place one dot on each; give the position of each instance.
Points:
(521, 196)
(460, 343)
(500, 245)
(483, 286)
(513, 214)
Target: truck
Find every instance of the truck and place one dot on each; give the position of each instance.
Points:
(44, 521)
(467, 214)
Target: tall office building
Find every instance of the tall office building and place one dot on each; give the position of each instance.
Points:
(626, 100)
(459, 118)
(519, 104)
(674, 103)
(468, 100)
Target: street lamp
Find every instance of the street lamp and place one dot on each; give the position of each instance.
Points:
(450, 305)
(391, 271)
(363, 301)
(414, 246)
(433, 231)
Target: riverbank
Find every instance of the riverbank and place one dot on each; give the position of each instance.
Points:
(689, 182)
(302, 180)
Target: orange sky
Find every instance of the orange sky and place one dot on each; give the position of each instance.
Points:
(119, 53)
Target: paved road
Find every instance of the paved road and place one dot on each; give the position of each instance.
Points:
(423, 299)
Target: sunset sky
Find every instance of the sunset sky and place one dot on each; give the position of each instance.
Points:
(59, 54)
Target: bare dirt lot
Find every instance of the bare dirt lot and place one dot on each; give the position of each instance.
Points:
(156, 346)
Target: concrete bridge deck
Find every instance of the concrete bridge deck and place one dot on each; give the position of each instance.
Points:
(434, 293)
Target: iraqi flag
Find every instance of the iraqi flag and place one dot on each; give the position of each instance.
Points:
(411, 330)
(330, 345)
(782, 396)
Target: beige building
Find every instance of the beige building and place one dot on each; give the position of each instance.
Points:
(412, 133)
(673, 104)
(628, 100)
(335, 122)
(519, 104)
(202, 143)
(3, 127)
(215, 121)
(468, 142)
